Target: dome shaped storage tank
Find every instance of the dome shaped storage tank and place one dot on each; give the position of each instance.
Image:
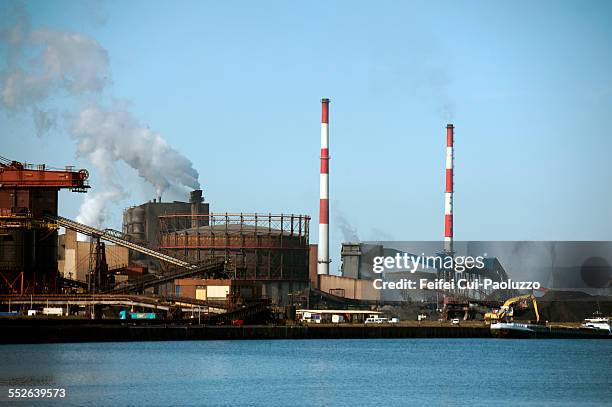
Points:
(257, 246)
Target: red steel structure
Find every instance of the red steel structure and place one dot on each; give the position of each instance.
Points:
(28, 242)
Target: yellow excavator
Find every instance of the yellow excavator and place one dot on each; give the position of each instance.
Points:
(506, 312)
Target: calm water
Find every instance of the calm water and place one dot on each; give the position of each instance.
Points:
(319, 373)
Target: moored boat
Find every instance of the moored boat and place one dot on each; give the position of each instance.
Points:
(528, 330)
(598, 322)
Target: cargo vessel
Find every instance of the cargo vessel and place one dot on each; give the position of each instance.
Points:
(597, 322)
(529, 330)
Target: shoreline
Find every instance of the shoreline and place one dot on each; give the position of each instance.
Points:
(62, 331)
(55, 331)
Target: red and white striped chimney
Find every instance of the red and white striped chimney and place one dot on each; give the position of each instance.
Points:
(448, 195)
(323, 248)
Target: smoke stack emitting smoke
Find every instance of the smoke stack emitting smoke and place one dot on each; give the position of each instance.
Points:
(44, 63)
(115, 135)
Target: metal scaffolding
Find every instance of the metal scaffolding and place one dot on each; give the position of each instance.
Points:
(259, 246)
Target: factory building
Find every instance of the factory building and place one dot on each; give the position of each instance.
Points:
(217, 289)
(141, 223)
(356, 268)
(357, 259)
(355, 282)
(348, 287)
(269, 249)
(74, 256)
(313, 251)
(356, 279)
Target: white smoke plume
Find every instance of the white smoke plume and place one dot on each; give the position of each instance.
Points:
(110, 135)
(69, 62)
(94, 210)
(44, 63)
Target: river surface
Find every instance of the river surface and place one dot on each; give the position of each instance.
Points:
(387, 372)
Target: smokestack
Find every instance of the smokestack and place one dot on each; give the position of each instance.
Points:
(448, 195)
(195, 199)
(323, 248)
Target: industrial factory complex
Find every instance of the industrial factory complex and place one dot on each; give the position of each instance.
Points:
(185, 259)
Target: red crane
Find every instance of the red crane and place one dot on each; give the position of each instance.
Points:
(30, 191)
(28, 242)
(14, 174)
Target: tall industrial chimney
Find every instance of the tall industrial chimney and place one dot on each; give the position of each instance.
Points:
(323, 248)
(448, 196)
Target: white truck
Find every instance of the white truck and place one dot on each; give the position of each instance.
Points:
(52, 311)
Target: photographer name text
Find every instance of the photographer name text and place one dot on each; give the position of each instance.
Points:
(451, 284)
(447, 263)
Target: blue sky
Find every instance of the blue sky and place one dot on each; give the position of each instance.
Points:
(235, 87)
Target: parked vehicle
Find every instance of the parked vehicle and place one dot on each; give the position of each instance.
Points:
(337, 319)
(375, 319)
(312, 317)
(56, 312)
(123, 314)
(455, 321)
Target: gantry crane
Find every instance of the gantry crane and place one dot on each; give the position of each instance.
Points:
(28, 241)
(29, 192)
